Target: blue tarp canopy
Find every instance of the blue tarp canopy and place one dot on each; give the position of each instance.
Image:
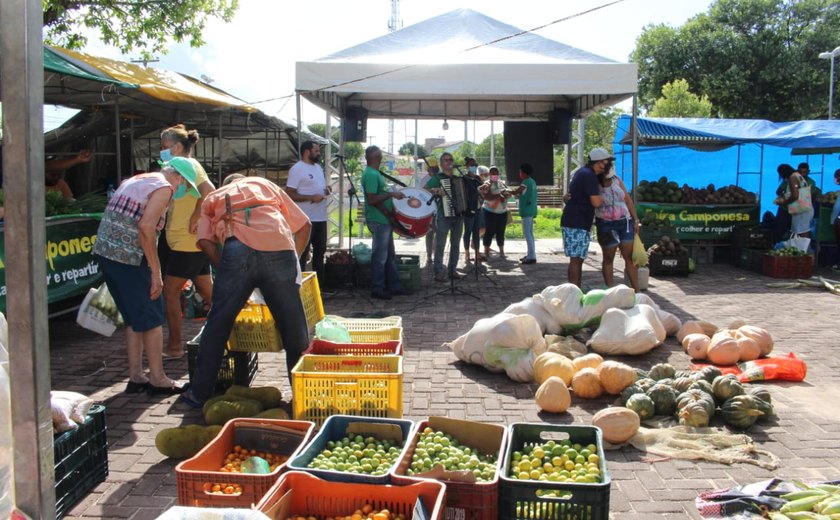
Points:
(744, 152)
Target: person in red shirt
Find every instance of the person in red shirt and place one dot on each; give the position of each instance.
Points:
(262, 233)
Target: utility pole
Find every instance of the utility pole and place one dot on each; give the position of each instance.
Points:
(394, 24)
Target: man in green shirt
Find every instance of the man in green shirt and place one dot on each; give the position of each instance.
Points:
(528, 211)
(452, 226)
(385, 279)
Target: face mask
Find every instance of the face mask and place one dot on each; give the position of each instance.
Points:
(522, 176)
(180, 191)
(494, 178)
(166, 155)
(473, 169)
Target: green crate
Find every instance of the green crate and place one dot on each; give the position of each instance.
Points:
(519, 500)
(81, 460)
(237, 368)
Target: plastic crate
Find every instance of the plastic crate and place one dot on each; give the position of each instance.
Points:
(788, 266)
(668, 265)
(473, 500)
(334, 429)
(238, 368)
(752, 260)
(196, 476)
(582, 501)
(364, 330)
(370, 386)
(255, 330)
(651, 235)
(81, 460)
(701, 253)
(320, 347)
(299, 493)
(752, 238)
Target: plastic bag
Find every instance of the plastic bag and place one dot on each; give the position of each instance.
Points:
(362, 253)
(331, 330)
(629, 332)
(640, 256)
(104, 303)
(534, 307)
(781, 368)
(797, 242)
(671, 323)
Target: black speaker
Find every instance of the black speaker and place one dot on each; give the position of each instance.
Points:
(527, 142)
(560, 126)
(354, 125)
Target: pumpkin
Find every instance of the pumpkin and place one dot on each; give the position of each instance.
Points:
(664, 399)
(709, 329)
(681, 384)
(550, 364)
(766, 409)
(709, 373)
(759, 392)
(684, 373)
(616, 376)
(703, 386)
(641, 374)
(588, 361)
(617, 424)
(726, 387)
(553, 395)
(645, 383)
(749, 348)
(741, 411)
(760, 336)
(689, 327)
(587, 384)
(723, 350)
(630, 391)
(694, 414)
(696, 346)
(736, 324)
(697, 396)
(642, 405)
(662, 371)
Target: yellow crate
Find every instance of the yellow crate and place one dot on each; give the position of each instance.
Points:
(254, 329)
(370, 330)
(370, 386)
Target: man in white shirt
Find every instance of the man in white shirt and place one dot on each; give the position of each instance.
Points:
(308, 188)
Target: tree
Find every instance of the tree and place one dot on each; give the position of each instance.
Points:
(408, 149)
(678, 101)
(751, 58)
(599, 131)
(482, 150)
(146, 25)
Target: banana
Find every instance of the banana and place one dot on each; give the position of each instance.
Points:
(802, 504)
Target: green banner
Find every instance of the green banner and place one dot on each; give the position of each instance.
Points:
(71, 268)
(703, 222)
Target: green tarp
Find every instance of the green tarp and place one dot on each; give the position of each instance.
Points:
(54, 62)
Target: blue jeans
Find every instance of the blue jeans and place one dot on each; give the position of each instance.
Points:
(383, 261)
(241, 270)
(451, 227)
(472, 225)
(528, 231)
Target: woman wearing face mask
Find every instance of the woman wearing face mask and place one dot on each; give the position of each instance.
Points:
(127, 255)
(183, 260)
(617, 226)
(472, 219)
(495, 194)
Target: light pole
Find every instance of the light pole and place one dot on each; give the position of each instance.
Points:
(830, 56)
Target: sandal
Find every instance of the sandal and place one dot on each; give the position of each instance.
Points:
(167, 355)
(165, 390)
(136, 388)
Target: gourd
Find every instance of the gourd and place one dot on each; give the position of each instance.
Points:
(709, 373)
(268, 396)
(617, 424)
(645, 383)
(681, 384)
(726, 387)
(765, 407)
(694, 414)
(723, 350)
(662, 371)
(684, 373)
(222, 411)
(760, 336)
(703, 386)
(553, 395)
(689, 327)
(550, 364)
(588, 361)
(741, 411)
(185, 441)
(759, 392)
(273, 413)
(615, 376)
(749, 348)
(664, 399)
(696, 346)
(697, 396)
(642, 405)
(630, 391)
(587, 384)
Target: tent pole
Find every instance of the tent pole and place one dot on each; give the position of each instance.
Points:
(635, 152)
(416, 155)
(492, 143)
(117, 136)
(265, 170)
(21, 81)
(567, 167)
(131, 143)
(341, 188)
(300, 125)
(220, 149)
(581, 150)
(328, 167)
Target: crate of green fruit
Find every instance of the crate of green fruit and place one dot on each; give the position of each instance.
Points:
(355, 449)
(788, 263)
(554, 472)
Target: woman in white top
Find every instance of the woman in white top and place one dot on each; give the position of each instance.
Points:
(617, 226)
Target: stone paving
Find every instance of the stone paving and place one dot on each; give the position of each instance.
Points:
(806, 435)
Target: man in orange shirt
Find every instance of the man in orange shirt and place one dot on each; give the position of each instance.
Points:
(55, 168)
(262, 233)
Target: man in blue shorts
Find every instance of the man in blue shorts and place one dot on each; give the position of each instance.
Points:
(579, 213)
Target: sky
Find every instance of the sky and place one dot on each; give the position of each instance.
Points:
(253, 57)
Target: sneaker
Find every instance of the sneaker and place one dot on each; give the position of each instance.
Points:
(528, 261)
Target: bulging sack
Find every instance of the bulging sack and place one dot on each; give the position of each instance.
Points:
(628, 332)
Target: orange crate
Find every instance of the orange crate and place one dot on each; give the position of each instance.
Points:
(464, 500)
(328, 348)
(299, 493)
(788, 266)
(195, 476)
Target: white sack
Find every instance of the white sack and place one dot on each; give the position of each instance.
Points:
(518, 363)
(533, 307)
(81, 404)
(565, 345)
(671, 323)
(563, 303)
(596, 302)
(61, 411)
(628, 332)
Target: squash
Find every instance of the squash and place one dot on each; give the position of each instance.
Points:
(697, 396)
(759, 392)
(749, 348)
(553, 395)
(273, 413)
(709, 329)
(616, 376)
(681, 384)
(641, 374)
(630, 391)
(617, 424)
(642, 405)
(689, 327)
(766, 409)
(550, 364)
(726, 387)
(587, 384)
(696, 346)
(588, 361)
(645, 383)
(709, 373)
(684, 373)
(185, 441)
(723, 350)
(760, 336)
(268, 396)
(741, 411)
(664, 399)
(694, 414)
(662, 371)
(703, 386)
(222, 411)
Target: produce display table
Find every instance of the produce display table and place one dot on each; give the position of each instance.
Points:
(704, 222)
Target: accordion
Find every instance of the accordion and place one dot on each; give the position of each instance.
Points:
(454, 199)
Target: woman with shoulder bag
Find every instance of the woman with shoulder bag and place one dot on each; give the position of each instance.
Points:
(797, 199)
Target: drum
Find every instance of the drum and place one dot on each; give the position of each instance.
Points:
(415, 211)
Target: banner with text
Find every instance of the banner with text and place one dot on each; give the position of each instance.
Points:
(703, 222)
(71, 268)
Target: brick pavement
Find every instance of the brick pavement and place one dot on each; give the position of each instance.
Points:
(806, 435)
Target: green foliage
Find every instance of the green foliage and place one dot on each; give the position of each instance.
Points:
(599, 130)
(678, 101)
(482, 151)
(751, 58)
(408, 149)
(144, 25)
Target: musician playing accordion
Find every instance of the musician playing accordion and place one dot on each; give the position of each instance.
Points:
(448, 186)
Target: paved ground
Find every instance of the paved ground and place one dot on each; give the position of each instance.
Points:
(806, 435)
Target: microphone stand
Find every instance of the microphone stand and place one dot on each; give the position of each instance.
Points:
(351, 194)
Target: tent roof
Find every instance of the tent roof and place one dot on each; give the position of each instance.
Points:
(54, 62)
(448, 67)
